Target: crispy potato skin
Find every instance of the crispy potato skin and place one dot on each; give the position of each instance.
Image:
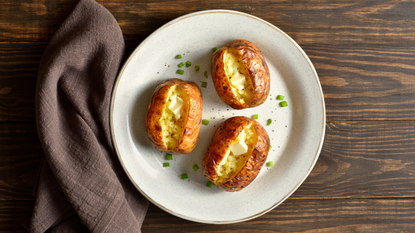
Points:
(194, 119)
(258, 70)
(221, 142)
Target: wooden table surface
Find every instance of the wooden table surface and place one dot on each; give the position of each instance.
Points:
(364, 54)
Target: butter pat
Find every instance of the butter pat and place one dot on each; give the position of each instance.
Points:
(176, 105)
(238, 81)
(239, 148)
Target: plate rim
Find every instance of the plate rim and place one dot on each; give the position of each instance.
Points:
(126, 63)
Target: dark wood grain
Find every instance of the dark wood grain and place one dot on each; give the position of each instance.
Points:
(19, 64)
(363, 215)
(13, 214)
(322, 22)
(359, 83)
(20, 157)
(366, 82)
(364, 159)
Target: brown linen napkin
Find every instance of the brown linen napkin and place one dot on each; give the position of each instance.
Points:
(82, 186)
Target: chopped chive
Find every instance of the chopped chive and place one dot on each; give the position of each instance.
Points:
(169, 156)
(188, 64)
(255, 116)
(184, 176)
(197, 67)
(205, 74)
(195, 167)
(180, 65)
(204, 84)
(179, 71)
(269, 121)
(284, 104)
(209, 184)
(214, 49)
(270, 164)
(205, 122)
(280, 97)
(166, 164)
(179, 56)
(270, 147)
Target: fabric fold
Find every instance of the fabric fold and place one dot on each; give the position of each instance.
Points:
(82, 181)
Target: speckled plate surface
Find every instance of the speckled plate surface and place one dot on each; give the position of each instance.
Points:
(296, 134)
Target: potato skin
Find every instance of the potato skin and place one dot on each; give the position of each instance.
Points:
(222, 140)
(258, 70)
(194, 119)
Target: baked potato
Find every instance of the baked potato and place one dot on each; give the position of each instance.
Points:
(236, 154)
(240, 74)
(174, 116)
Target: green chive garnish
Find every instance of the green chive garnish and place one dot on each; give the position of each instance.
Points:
(209, 184)
(197, 67)
(255, 116)
(205, 74)
(184, 176)
(166, 164)
(195, 167)
(269, 121)
(188, 64)
(179, 56)
(180, 71)
(284, 104)
(204, 84)
(205, 122)
(214, 49)
(270, 164)
(180, 65)
(169, 156)
(280, 97)
(270, 147)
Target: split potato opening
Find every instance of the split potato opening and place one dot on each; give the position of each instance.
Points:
(238, 76)
(237, 155)
(173, 119)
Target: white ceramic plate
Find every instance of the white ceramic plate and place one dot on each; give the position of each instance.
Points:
(296, 133)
